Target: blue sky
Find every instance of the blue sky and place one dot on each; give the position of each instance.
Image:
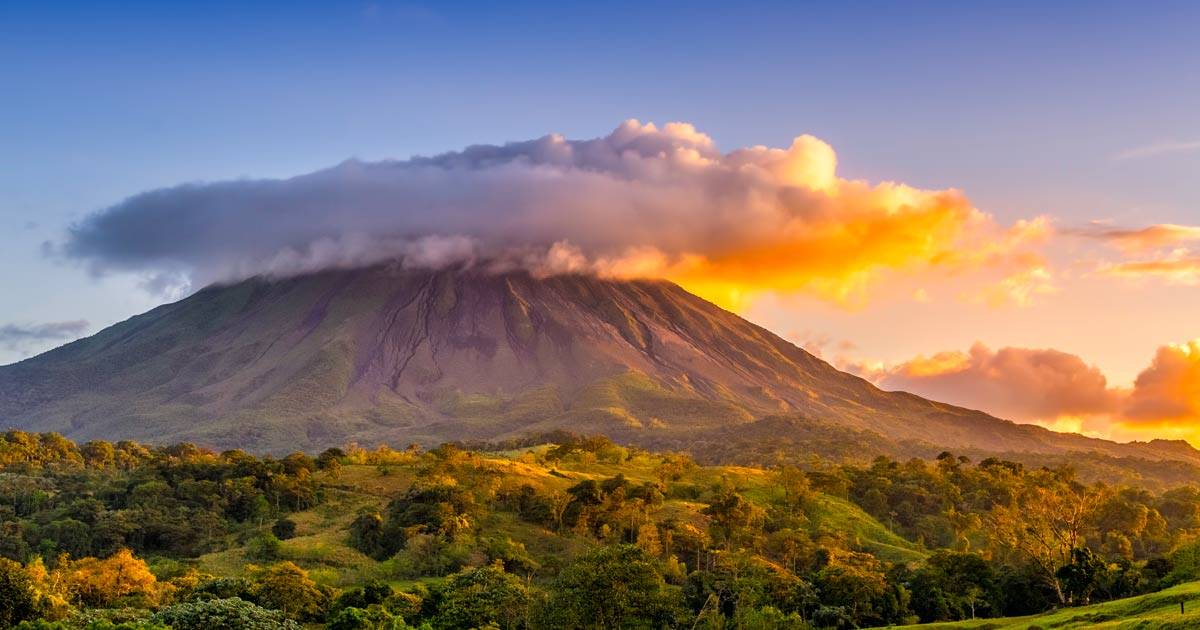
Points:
(1078, 110)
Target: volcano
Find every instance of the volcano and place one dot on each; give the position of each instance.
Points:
(388, 354)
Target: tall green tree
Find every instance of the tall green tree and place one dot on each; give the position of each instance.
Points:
(612, 587)
(478, 597)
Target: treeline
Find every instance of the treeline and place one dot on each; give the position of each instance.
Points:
(654, 540)
(92, 500)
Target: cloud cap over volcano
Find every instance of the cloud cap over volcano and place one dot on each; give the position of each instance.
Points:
(641, 201)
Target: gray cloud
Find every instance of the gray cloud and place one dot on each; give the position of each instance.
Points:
(20, 337)
(480, 200)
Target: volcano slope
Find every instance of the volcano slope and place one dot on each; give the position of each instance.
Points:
(386, 354)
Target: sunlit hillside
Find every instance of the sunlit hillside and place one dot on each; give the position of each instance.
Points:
(322, 543)
(564, 531)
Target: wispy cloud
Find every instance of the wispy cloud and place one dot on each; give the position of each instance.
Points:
(21, 337)
(1179, 268)
(1141, 239)
(1158, 148)
(1017, 289)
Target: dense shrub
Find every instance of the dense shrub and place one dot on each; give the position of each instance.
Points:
(223, 613)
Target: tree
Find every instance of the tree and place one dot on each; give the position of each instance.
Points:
(768, 618)
(98, 454)
(367, 535)
(612, 587)
(101, 583)
(791, 548)
(1044, 525)
(738, 582)
(18, 599)
(12, 544)
(731, 514)
(1081, 576)
(1185, 563)
(70, 536)
(559, 501)
(796, 489)
(287, 588)
(478, 597)
(648, 539)
(856, 583)
(953, 585)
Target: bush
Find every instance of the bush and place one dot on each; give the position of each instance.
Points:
(284, 529)
(769, 618)
(263, 547)
(371, 618)
(89, 622)
(371, 593)
(832, 617)
(223, 613)
(222, 588)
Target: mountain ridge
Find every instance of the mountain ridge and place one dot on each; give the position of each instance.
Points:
(390, 354)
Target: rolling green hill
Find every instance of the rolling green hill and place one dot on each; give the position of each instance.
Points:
(322, 544)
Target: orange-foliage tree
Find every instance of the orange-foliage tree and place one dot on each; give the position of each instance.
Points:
(102, 582)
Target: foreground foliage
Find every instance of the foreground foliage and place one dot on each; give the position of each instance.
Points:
(581, 533)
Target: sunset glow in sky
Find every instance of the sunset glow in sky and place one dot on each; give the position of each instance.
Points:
(1000, 211)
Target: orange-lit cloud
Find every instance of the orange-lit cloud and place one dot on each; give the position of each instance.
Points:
(1058, 390)
(1151, 237)
(643, 201)
(1160, 252)
(1019, 288)
(810, 231)
(1030, 385)
(1177, 268)
(1169, 390)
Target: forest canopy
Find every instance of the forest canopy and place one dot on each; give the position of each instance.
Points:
(577, 532)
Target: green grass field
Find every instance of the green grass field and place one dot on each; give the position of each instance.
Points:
(1156, 610)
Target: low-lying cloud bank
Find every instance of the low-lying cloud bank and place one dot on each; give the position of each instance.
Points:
(641, 201)
(1058, 389)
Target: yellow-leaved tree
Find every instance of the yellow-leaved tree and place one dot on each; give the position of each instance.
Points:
(100, 583)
